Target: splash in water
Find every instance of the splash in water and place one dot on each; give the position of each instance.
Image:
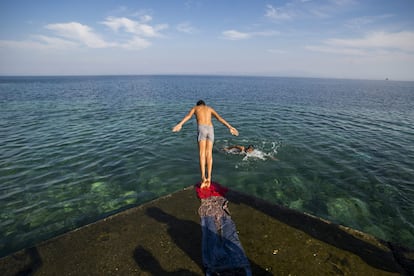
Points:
(267, 150)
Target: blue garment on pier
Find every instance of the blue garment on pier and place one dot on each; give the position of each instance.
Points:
(221, 248)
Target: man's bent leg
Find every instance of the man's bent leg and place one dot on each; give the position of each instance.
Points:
(202, 157)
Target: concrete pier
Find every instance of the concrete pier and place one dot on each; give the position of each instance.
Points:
(164, 237)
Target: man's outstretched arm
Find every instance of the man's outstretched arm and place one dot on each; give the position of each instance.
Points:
(233, 130)
(185, 119)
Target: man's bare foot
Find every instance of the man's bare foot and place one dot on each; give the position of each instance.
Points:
(205, 183)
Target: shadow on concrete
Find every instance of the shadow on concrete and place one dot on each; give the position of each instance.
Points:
(332, 234)
(23, 263)
(186, 235)
(147, 262)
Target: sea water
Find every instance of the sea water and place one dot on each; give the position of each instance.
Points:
(76, 149)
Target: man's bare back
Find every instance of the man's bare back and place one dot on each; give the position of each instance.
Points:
(203, 115)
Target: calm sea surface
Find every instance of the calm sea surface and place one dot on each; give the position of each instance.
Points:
(76, 149)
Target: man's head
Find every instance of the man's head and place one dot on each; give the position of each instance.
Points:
(250, 148)
(201, 102)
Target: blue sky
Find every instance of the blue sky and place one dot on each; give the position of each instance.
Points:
(363, 39)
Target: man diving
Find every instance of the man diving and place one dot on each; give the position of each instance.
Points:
(205, 137)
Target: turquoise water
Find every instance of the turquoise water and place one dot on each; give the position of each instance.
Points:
(76, 149)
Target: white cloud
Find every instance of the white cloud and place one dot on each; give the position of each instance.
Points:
(55, 42)
(305, 8)
(265, 33)
(371, 44)
(78, 32)
(363, 21)
(318, 9)
(145, 18)
(235, 35)
(277, 13)
(336, 50)
(71, 35)
(39, 42)
(403, 41)
(136, 43)
(138, 30)
(186, 27)
(134, 27)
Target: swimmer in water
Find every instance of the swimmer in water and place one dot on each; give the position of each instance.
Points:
(247, 149)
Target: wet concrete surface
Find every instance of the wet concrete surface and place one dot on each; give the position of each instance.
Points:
(163, 237)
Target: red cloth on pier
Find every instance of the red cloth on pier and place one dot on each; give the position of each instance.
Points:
(215, 189)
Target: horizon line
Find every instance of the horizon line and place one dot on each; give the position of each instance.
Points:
(196, 75)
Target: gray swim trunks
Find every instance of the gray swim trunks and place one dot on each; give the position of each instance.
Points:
(205, 133)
